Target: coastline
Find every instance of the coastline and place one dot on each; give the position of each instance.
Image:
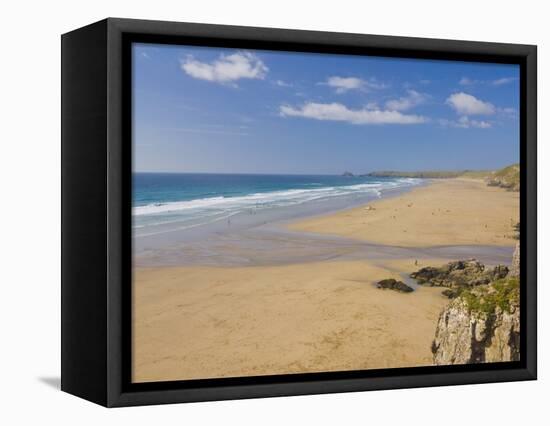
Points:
(321, 311)
(267, 223)
(452, 211)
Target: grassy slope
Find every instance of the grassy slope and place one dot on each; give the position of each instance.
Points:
(507, 177)
(503, 293)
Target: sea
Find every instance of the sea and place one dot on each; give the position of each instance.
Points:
(239, 220)
(166, 202)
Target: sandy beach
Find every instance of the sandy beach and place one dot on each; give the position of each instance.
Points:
(194, 322)
(198, 322)
(450, 211)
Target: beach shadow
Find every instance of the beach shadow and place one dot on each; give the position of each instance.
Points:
(54, 382)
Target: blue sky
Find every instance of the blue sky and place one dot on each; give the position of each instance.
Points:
(249, 111)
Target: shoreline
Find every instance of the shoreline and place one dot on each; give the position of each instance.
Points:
(249, 231)
(249, 215)
(458, 211)
(337, 236)
(320, 312)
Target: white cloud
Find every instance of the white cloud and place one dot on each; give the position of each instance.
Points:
(405, 103)
(465, 104)
(339, 112)
(466, 123)
(227, 68)
(501, 81)
(343, 84)
(282, 83)
(372, 105)
(465, 81)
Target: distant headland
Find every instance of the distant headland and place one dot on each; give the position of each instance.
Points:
(507, 177)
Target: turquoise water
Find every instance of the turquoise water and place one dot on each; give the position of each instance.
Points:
(190, 200)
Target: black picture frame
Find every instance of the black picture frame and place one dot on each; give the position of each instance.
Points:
(96, 211)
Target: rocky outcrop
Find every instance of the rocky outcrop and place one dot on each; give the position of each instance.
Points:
(481, 327)
(347, 174)
(459, 274)
(393, 284)
(514, 268)
(450, 293)
(482, 322)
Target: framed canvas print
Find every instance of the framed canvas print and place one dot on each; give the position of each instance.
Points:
(253, 212)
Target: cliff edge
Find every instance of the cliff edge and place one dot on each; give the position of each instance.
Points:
(480, 325)
(482, 322)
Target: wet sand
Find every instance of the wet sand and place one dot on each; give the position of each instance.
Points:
(306, 302)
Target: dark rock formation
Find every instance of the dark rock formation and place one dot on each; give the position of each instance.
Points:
(392, 284)
(347, 174)
(451, 294)
(459, 274)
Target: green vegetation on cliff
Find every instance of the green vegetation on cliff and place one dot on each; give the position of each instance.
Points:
(508, 178)
(503, 293)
